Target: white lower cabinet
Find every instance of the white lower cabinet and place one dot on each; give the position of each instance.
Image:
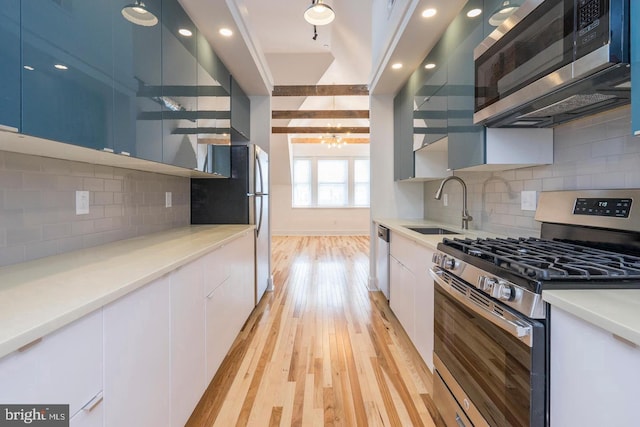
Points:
(156, 348)
(411, 292)
(188, 380)
(595, 377)
(137, 362)
(65, 367)
(230, 301)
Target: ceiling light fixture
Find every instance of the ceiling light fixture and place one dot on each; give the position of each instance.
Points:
(138, 14)
(503, 11)
(319, 13)
(185, 32)
(474, 12)
(396, 66)
(429, 13)
(61, 67)
(430, 66)
(225, 32)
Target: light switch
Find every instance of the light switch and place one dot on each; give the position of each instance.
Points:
(82, 202)
(528, 200)
(167, 199)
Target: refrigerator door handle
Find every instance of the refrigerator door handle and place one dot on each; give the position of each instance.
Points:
(259, 163)
(260, 219)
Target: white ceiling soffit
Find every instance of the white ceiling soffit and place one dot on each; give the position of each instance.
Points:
(412, 40)
(241, 52)
(298, 68)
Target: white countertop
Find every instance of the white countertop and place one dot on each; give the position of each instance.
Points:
(614, 310)
(430, 240)
(40, 296)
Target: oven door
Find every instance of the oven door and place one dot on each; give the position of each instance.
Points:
(491, 359)
(540, 44)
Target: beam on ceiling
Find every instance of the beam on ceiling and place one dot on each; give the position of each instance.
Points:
(321, 90)
(320, 129)
(320, 140)
(320, 114)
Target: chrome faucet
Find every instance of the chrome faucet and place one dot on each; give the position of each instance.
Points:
(465, 214)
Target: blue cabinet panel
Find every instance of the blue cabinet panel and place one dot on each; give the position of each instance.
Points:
(635, 67)
(240, 113)
(10, 63)
(67, 82)
(137, 74)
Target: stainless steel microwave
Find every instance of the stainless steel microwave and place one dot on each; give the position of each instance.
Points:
(553, 61)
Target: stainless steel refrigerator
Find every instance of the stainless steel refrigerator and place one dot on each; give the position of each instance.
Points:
(241, 199)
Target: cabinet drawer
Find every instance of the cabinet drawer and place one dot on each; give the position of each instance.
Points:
(64, 368)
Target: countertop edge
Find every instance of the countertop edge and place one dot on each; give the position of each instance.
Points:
(613, 310)
(37, 329)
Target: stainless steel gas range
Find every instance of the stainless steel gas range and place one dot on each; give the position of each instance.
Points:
(491, 349)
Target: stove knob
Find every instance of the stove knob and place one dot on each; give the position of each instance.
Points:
(449, 263)
(486, 284)
(505, 292)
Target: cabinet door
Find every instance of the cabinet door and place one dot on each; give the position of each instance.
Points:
(402, 295)
(214, 112)
(187, 341)
(65, 367)
(92, 415)
(240, 113)
(218, 333)
(403, 134)
(595, 378)
(466, 140)
(10, 64)
(67, 79)
(430, 114)
(137, 362)
(179, 87)
(137, 77)
(423, 307)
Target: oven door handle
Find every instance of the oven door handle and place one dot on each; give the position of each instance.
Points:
(520, 330)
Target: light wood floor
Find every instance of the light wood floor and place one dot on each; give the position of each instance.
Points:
(319, 350)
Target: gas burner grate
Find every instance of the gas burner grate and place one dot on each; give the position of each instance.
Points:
(550, 259)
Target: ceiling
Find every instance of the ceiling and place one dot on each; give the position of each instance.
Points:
(273, 45)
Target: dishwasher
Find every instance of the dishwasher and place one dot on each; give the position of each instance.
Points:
(382, 264)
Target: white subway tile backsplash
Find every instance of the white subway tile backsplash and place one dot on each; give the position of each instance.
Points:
(37, 205)
(592, 153)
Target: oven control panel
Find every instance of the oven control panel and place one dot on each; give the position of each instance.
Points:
(618, 208)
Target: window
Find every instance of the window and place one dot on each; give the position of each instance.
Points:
(330, 182)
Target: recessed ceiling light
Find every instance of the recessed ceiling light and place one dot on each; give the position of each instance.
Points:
(474, 12)
(61, 67)
(185, 32)
(428, 13)
(29, 67)
(396, 66)
(430, 66)
(225, 32)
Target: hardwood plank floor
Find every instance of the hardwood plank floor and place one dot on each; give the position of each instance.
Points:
(319, 350)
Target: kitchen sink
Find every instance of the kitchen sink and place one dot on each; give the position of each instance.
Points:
(431, 230)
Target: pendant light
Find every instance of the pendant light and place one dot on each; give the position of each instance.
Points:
(319, 13)
(503, 11)
(138, 14)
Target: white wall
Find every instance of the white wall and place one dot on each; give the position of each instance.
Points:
(287, 220)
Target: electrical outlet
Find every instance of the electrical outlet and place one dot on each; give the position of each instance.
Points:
(528, 200)
(82, 202)
(167, 199)
(445, 199)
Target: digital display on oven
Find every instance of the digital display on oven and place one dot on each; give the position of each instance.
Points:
(603, 207)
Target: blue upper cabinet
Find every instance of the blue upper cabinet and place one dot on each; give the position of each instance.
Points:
(137, 75)
(430, 101)
(179, 87)
(67, 74)
(466, 140)
(10, 64)
(240, 113)
(635, 67)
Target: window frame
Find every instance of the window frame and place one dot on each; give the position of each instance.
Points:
(314, 182)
